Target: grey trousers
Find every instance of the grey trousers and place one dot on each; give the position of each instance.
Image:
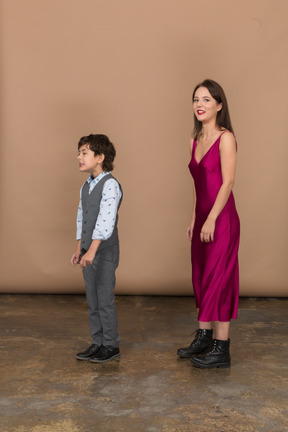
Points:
(100, 283)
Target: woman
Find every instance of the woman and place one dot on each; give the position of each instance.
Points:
(214, 229)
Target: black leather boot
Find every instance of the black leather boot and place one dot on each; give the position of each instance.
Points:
(202, 339)
(216, 355)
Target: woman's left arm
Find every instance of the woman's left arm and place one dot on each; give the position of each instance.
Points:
(228, 167)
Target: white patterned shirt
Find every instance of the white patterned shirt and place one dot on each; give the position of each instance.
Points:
(105, 222)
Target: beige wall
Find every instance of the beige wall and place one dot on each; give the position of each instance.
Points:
(127, 68)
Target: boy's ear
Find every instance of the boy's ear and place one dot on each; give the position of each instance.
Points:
(100, 158)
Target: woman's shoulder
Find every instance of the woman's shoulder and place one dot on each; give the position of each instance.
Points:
(226, 132)
(227, 139)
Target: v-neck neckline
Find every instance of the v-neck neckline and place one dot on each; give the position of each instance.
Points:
(198, 163)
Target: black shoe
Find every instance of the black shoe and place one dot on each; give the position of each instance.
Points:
(217, 355)
(90, 352)
(105, 354)
(202, 340)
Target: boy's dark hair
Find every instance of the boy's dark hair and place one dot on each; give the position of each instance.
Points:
(100, 144)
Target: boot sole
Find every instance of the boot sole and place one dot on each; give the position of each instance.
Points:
(104, 360)
(188, 356)
(216, 365)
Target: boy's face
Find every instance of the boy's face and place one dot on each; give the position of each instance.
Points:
(88, 162)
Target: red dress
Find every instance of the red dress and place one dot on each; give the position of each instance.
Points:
(215, 272)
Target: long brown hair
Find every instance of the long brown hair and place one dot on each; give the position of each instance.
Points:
(223, 118)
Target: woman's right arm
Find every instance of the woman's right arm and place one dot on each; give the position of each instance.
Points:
(189, 231)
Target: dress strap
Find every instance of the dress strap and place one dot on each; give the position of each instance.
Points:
(233, 136)
(223, 133)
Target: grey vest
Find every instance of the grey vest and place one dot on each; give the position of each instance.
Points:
(90, 208)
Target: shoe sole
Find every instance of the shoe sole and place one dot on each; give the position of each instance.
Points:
(83, 359)
(217, 365)
(105, 360)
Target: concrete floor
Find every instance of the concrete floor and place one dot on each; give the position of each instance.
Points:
(44, 388)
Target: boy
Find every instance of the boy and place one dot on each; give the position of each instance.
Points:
(98, 245)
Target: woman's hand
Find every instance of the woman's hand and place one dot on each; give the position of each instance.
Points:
(189, 231)
(207, 231)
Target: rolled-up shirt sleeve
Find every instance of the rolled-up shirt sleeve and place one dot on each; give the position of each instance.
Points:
(106, 219)
(79, 219)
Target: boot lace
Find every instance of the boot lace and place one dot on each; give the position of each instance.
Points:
(211, 348)
(197, 337)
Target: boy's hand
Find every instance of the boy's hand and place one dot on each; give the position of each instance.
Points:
(75, 258)
(87, 259)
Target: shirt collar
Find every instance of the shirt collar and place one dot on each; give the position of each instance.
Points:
(98, 178)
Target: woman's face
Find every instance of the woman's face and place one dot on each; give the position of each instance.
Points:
(205, 106)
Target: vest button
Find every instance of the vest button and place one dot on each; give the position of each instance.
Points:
(84, 232)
